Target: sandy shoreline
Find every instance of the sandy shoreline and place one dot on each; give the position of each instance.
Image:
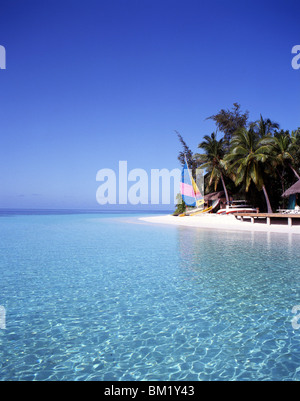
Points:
(217, 222)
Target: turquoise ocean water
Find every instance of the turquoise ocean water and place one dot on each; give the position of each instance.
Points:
(108, 297)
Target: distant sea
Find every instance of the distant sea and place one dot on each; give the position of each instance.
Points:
(8, 212)
(90, 295)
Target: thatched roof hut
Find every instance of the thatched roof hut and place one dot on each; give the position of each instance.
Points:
(295, 189)
(215, 196)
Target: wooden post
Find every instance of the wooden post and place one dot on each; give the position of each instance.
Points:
(269, 221)
(290, 220)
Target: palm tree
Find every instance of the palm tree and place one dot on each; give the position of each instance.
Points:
(296, 135)
(284, 148)
(247, 159)
(212, 160)
(295, 150)
(264, 127)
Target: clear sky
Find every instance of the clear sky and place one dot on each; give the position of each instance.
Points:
(89, 83)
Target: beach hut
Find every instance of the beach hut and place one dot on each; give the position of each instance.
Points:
(295, 189)
(217, 196)
(214, 196)
(292, 193)
(211, 198)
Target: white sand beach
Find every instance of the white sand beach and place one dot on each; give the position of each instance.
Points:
(227, 222)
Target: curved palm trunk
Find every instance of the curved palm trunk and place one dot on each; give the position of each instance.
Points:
(267, 200)
(295, 172)
(225, 189)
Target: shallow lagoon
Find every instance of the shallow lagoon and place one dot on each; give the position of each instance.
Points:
(108, 297)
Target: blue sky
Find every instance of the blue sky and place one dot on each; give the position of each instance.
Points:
(89, 83)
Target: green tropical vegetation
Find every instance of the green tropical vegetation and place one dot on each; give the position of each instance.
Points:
(213, 161)
(256, 161)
